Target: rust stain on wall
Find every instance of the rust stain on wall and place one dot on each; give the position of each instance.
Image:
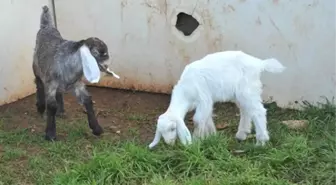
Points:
(130, 84)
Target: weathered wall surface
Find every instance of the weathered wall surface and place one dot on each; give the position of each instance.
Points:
(150, 53)
(19, 22)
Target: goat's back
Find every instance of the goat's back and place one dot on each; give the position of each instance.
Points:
(56, 59)
(220, 75)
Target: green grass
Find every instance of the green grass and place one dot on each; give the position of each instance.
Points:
(291, 157)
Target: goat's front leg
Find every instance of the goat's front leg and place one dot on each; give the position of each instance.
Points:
(60, 105)
(203, 122)
(211, 127)
(50, 132)
(85, 99)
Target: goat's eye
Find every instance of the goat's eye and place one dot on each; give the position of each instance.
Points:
(172, 129)
(95, 51)
(102, 53)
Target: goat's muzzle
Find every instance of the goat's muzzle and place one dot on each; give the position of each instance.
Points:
(105, 68)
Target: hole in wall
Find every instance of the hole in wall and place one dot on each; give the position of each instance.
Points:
(186, 23)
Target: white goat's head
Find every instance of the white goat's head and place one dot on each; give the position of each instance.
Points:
(169, 128)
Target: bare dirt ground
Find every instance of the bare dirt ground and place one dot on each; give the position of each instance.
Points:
(124, 116)
(117, 112)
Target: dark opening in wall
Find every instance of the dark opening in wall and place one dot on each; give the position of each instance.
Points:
(186, 23)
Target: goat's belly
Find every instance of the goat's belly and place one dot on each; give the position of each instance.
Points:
(66, 87)
(192, 107)
(222, 97)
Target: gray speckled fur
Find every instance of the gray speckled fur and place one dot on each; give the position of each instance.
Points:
(57, 59)
(57, 67)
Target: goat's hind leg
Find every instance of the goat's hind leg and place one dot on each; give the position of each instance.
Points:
(85, 99)
(254, 109)
(245, 125)
(40, 96)
(260, 124)
(51, 112)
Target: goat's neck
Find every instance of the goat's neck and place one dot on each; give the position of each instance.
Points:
(179, 104)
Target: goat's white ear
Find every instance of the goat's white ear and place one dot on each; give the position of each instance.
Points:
(90, 67)
(156, 140)
(183, 133)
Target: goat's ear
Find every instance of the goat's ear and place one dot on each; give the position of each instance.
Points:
(77, 45)
(90, 67)
(156, 140)
(183, 133)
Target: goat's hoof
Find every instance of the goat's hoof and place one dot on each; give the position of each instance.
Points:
(262, 139)
(241, 135)
(238, 140)
(97, 131)
(61, 115)
(50, 138)
(260, 143)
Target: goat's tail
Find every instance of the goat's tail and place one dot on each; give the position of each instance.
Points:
(46, 19)
(272, 65)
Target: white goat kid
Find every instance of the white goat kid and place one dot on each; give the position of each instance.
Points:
(218, 77)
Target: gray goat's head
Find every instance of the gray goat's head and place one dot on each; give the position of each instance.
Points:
(99, 51)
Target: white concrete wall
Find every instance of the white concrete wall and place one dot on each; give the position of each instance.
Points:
(19, 22)
(150, 54)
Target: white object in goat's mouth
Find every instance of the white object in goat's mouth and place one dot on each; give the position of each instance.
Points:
(113, 74)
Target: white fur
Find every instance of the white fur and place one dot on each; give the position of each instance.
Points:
(90, 67)
(218, 77)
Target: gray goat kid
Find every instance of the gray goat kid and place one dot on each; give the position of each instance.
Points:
(58, 67)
